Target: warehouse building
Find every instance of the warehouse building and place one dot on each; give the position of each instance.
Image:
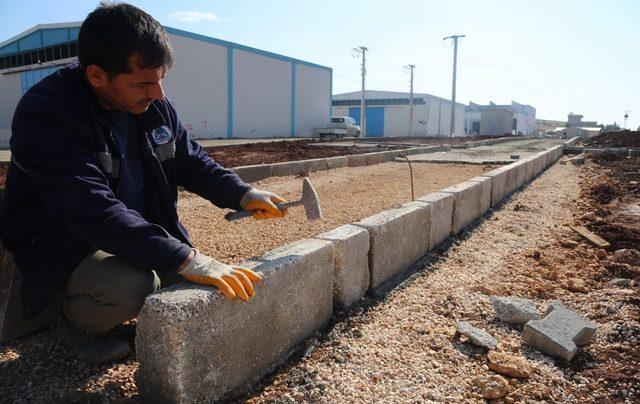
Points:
(221, 89)
(387, 113)
(498, 120)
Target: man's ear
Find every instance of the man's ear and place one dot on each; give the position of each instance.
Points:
(97, 76)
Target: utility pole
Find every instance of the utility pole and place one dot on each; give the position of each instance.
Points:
(452, 128)
(362, 51)
(411, 68)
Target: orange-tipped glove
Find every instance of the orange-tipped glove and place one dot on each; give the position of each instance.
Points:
(231, 280)
(263, 204)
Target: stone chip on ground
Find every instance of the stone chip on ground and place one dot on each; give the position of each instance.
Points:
(514, 310)
(477, 336)
(513, 366)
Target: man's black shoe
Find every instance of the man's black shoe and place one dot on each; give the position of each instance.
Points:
(95, 349)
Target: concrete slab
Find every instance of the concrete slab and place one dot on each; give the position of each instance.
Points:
(351, 264)
(337, 162)
(285, 169)
(440, 216)
(498, 184)
(253, 173)
(466, 205)
(560, 333)
(12, 324)
(485, 193)
(357, 160)
(194, 345)
(309, 166)
(398, 238)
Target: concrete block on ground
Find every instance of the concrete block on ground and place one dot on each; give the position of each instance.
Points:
(466, 204)
(195, 345)
(476, 335)
(512, 178)
(12, 324)
(357, 160)
(398, 238)
(560, 333)
(375, 158)
(310, 166)
(514, 310)
(351, 264)
(440, 216)
(286, 169)
(337, 162)
(253, 173)
(485, 193)
(521, 167)
(498, 184)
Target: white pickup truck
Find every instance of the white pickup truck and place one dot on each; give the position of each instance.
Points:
(339, 126)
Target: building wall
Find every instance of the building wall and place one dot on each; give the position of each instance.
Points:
(10, 93)
(313, 99)
(261, 96)
(430, 119)
(496, 122)
(197, 85)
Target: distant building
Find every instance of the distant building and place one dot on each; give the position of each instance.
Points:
(498, 120)
(221, 89)
(387, 113)
(576, 127)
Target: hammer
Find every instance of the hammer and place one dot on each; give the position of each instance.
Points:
(309, 200)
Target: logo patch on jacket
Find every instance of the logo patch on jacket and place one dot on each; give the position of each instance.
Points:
(162, 135)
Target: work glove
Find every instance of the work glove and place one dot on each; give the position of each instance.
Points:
(231, 280)
(263, 204)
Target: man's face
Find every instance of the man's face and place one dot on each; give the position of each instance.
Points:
(130, 92)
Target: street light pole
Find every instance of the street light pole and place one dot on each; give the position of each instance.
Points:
(452, 128)
(411, 68)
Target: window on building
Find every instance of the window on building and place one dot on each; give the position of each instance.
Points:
(50, 53)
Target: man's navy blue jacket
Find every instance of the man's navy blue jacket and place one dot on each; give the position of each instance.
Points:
(59, 201)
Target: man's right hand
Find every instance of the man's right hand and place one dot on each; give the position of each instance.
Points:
(231, 280)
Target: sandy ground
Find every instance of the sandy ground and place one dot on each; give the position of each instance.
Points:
(346, 195)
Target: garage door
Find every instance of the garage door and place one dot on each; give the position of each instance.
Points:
(375, 120)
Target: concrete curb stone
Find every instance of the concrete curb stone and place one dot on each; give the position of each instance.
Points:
(253, 173)
(195, 345)
(440, 216)
(351, 264)
(398, 238)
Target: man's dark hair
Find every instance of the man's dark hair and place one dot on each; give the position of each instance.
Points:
(115, 31)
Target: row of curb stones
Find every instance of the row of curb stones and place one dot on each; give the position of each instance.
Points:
(193, 344)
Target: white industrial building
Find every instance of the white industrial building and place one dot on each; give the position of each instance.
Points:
(387, 113)
(497, 120)
(220, 89)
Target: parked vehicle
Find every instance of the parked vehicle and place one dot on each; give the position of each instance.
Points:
(339, 126)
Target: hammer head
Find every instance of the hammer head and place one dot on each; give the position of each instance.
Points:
(310, 200)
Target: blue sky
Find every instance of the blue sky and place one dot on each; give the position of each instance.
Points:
(559, 56)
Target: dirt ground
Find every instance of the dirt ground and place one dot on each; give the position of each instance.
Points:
(403, 347)
(3, 175)
(624, 138)
(276, 152)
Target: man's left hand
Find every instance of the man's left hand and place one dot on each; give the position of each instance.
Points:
(263, 204)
